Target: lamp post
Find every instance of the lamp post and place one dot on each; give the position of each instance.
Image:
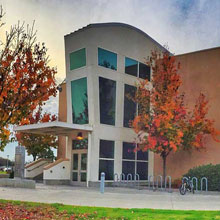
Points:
(7, 161)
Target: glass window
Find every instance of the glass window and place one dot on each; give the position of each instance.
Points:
(128, 151)
(131, 66)
(106, 166)
(144, 71)
(134, 162)
(142, 170)
(107, 100)
(77, 59)
(79, 101)
(106, 149)
(129, 105)
(107, 59)
(142, 155)
(106, 161)
(128, 167)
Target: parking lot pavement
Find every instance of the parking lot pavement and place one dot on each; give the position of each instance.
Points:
(113, 197)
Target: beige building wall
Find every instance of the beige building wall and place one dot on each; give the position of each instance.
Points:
(125, 42)
(62, 116)
(200, 71)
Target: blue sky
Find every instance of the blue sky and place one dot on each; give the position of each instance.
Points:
(185, 25)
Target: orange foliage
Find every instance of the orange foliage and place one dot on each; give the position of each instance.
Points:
(163, 117)
(26, 80)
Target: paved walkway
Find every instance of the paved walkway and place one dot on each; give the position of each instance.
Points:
(113, 197)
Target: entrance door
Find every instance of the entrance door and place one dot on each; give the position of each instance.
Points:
(79, 167)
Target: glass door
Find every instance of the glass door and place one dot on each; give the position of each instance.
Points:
(79, 167)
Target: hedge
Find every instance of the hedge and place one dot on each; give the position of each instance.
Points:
(210, 171)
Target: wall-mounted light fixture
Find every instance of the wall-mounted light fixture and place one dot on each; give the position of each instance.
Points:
(79, 136)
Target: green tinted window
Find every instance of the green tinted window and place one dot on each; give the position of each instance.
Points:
(77, 59)
(79, 101)
(107, 59)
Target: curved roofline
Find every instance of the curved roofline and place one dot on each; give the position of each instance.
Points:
(115, 24)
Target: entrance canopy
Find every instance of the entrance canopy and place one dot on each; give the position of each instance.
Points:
(54, 128)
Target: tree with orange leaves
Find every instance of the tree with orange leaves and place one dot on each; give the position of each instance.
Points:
(26, 80)
(39, 146)
(163, 123)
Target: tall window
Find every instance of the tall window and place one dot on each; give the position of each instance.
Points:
(107, 100)
(77, 59)
(106, 159)
(135, 68)
(79, 101)
(134, 162)
(107, 59)
(144, 71)
(129, 105)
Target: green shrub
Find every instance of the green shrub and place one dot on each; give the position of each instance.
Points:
(210, 171)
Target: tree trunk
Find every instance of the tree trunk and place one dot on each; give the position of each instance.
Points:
(164, 168)
(34, 156)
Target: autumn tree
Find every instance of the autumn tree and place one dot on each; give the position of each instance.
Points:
(37, 145)
(26, 79)
(163, 123)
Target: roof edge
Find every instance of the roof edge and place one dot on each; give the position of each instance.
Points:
(118, 24)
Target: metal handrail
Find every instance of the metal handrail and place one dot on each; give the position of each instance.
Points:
(37, 167)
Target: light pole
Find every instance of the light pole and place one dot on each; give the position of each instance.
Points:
(7, 161)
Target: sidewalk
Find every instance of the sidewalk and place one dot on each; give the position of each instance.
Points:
(113, 197)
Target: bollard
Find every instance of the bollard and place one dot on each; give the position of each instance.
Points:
(102, 184)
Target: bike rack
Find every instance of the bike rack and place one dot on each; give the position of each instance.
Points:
(170, 180)
(195, 178)
(185, 178)
(129, 175)
(149, 179)
(117, 178)
(122, 177)
(206, 183)
(161, 182)
(137, 177)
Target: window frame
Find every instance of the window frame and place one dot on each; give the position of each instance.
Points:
(138, 68)
(136, 113)
(108, 159)
(135, 160)
(81, 77)
(99, 101)
(110, 52)
(85, 57)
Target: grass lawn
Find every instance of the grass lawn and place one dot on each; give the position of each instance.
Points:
(3, 172)
(27, 210)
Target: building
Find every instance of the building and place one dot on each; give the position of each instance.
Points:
(103, 63)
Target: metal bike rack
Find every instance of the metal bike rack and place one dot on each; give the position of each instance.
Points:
(195, 178)
(149, 179)
(206, 183)
(170, 180)
(116, 180)
(122, 177)
(185, 178)
(129, 177)
(137, 179)
(161, 182)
